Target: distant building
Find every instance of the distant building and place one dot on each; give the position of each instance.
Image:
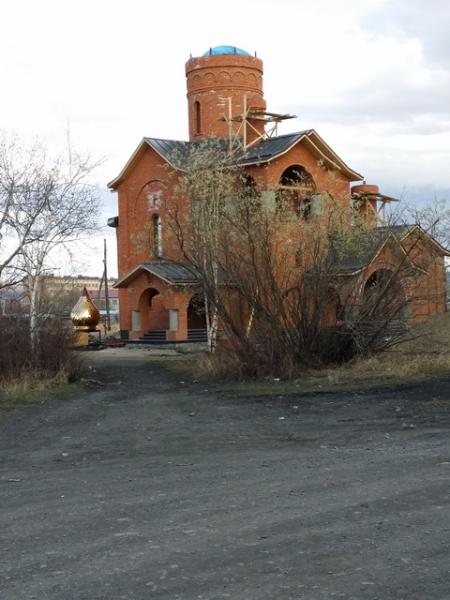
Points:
(58, 295)
(12, 300)
(99, 298)
(53, 283)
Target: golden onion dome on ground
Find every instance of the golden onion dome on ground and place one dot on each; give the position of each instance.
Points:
(85, 315)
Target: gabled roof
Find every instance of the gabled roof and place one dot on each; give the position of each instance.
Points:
(410, 229)
(171, 272)
(355, 262)
(379, 237)
(176, 153)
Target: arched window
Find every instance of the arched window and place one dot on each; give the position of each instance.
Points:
(157, 235)
(198, 117)
(296, 187)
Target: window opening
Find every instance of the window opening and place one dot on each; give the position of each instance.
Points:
(157, 235)
(296, 186)
(198, 117)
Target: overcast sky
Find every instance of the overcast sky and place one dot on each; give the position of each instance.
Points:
(371, 76)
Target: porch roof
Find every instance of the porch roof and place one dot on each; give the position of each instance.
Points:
(174, 273)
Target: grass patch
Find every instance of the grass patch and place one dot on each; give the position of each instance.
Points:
(29, 373)
(426, 355)
(35, 389)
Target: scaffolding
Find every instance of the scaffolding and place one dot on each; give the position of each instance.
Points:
(239, 125)
(376, 203)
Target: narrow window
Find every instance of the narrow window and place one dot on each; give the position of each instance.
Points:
(198, 117)
(157, 235)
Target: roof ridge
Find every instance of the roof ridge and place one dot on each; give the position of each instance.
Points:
(276, 137)
(263, 151)
(166, 140)
(267, 139)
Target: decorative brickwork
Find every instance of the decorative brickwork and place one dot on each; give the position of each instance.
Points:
(213, 82)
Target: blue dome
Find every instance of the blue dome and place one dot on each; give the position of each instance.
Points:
(218, 50)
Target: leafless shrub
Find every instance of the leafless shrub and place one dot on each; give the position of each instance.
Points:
(277, 279)
(53, 356)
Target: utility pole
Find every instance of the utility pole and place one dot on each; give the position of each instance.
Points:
(105, 275)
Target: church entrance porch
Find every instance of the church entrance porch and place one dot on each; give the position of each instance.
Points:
(161, 304)
(160, 324)
(159, 314)
(154, 317)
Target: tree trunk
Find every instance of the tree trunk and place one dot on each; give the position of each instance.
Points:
(212, 323)
(34, 301)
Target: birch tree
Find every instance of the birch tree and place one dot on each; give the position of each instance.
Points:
(45, 204)
(209, 180)
(25, 189)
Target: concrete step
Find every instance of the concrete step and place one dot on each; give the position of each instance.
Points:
(197, 335)
(159, 335)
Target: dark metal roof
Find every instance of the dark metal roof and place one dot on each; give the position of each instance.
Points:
(271, 147)
(173, 272)
(398, 230)
(376, 239)
(177, 152)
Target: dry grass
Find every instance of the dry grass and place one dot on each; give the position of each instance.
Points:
(425, 355)
(388, 368)
(27, 375)
(33, 388)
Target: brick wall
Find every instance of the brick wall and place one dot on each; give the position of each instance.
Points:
(211, 80)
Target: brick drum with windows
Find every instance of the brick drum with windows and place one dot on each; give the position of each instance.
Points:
(159, 298)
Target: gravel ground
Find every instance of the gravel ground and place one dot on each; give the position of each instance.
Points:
(147, 487)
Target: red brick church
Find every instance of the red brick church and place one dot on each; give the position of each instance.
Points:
(226, 100)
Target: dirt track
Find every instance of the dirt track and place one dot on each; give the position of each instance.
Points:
(148, 488)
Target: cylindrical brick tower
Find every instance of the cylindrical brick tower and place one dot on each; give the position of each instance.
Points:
(221, 73)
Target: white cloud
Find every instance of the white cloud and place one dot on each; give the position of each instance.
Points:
(372, 77)
(426, 22)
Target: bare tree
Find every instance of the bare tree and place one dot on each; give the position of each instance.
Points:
(209, 181)
(434, 218)
(24, 192)
(44, 205)
(276, 276)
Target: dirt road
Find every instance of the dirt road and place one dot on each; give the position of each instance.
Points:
(146, 487)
